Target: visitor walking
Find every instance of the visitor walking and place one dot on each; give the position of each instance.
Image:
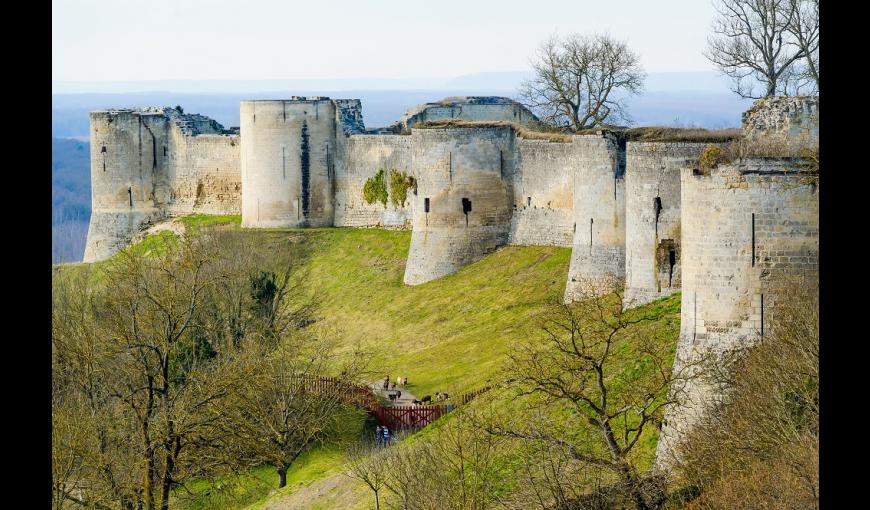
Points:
(386, 436)
(379, 435)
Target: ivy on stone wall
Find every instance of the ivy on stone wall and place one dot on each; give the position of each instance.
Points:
(400, 183)
(375, 189)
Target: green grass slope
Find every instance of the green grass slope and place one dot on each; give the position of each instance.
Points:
(450, 334)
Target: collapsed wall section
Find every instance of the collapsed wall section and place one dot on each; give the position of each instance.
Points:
(462, 210)
(653, 253)
(288, 148)
(543, 193)
(598, 246)
(792, 119)
(362, 157)
(749, 230)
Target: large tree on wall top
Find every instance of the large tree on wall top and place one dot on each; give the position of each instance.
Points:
(767, 47)
(581, 81)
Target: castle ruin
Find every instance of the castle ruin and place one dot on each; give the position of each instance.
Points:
(639, 211)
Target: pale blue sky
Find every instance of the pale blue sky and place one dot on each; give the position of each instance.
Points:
(272, 39)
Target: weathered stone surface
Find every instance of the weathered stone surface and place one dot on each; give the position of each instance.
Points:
(153, 163)
(652, 237)
(747, 228)
(463, 175)
(598, 253)
(792, 118)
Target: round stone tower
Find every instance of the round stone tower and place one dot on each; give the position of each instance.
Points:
(463, 202)
(748, 229)
(287, 162)
(129, 176)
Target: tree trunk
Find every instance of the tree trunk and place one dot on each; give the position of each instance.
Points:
(149, 478)
(377, 502)
(167, 481)
(282, 477)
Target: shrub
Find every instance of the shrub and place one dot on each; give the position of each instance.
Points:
(711, 157)
(400, 183)
(375, 189)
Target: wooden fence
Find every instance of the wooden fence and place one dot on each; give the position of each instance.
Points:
(408, 417)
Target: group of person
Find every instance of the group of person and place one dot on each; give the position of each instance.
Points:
(382, 436)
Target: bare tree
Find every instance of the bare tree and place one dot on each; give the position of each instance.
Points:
(582, 81)
(614, 376)
(763, 42)
(370, 465)
(804, 29)
(281, 408)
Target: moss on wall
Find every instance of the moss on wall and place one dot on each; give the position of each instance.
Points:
(375, 189)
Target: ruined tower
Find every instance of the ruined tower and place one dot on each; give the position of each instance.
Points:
(463, 203)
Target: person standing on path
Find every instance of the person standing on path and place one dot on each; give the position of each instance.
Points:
(379, 435)
(386, 436)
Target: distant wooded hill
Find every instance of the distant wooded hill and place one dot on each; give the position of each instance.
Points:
(70, 198)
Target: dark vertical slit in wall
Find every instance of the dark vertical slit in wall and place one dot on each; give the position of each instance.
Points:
(762, 316)
(657, 205)
(284, 110)
(620, 163)
(130, 194)
(672, 261)
(306, 171)
(753, 239)
(501, 163)
(591, 222)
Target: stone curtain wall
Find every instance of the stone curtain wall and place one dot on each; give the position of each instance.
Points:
(543, 199)
(461, 172)
(728, 295)
(362, 156)
(207, 175)
(598, 247)
(652, 235)
(288, 149)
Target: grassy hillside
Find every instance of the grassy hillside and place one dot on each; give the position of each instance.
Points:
(450, 334)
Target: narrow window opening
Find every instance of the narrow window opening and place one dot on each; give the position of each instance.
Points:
(501, 163)
(130, 194)
(466, 208)
(762, 316)
(426, 204)
(657, 206)
(753, 239)
(591, 222)
(103, 150)
(672, 261)
(529, 201)
(164, 151)
(575, 227)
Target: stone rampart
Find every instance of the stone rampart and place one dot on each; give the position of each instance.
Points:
(543, 198)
